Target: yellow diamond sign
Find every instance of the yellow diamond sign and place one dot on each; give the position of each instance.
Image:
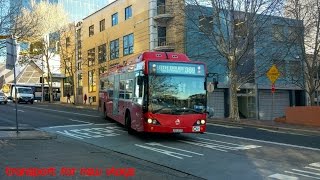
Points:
(273, 74)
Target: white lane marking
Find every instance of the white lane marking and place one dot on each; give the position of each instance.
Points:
(299, 174)
(317, 164)
(87, 133)
(312, 168)
(73, 125)
(158, 144)
(308, 172)
(166, 152)
(225, 126)
(204, 145)
(116, 129)
(61, 111)
(79, 121)
(219, 141)
(19, 110)
(269, 142)
(283, 177)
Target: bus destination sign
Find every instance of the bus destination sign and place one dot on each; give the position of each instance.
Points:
(176, 68)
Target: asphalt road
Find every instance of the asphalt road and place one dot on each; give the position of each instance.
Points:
(224, 152)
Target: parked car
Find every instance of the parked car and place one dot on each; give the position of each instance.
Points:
(3, 98)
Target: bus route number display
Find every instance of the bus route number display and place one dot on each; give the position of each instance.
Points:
(176, 68)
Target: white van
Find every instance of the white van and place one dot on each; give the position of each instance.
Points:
(24, 94)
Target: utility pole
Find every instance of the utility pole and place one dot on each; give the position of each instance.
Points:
(12, 54)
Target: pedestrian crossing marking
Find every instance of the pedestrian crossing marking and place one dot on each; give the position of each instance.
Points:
(310, 171)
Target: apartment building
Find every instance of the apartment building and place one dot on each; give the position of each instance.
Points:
(117, 32)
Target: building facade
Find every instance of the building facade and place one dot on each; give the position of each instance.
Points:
(125, 28)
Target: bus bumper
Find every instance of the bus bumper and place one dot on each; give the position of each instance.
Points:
(164, 129)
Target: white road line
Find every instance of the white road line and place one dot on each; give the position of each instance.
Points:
(317, 164)
(158, 144)
(204, 145)
(19, 110)
(312, 168)
(225, 126)
(79, 121)
(166, 152)
(219, 141)
(269, 142)
(304, 175)
(308, 172)
(73, 125)
(283, 177)
(61, 111)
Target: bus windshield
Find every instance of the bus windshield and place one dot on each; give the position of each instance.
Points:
(176, 94)
(24, 90)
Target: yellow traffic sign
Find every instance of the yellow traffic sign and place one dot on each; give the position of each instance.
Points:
(5, 88)
(273, 74)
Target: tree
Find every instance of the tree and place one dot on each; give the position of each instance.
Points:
(13, 21)
(308, 12)
(67, 54)
(51, 17)
(232, 29)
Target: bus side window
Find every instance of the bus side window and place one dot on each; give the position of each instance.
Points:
(138, 92)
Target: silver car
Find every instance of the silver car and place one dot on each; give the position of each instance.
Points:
(3, 98)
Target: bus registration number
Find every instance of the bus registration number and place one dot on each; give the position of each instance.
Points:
(177, 130)
(195, 128)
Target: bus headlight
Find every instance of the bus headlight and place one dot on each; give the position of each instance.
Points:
(198, 122)
(203, 121)
(149, 121)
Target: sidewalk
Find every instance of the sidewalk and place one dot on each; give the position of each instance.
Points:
(267, 124)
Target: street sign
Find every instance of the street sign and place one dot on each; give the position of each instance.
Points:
(273, 74)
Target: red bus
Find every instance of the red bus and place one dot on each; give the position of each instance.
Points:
(161, 92)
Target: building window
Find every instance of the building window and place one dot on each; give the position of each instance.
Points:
(79, 80)
(114, 49)
(67, 66)
(102, 25)
(240, 28)
(114, 19)
(91, 30)
(91, 57)
(278, 32)
(128, 44)
(92, 81)
(102, 56)
(67, 42)
(294, 32)
(128, 12)
(67, 86)
(79, 67)
(206, 24)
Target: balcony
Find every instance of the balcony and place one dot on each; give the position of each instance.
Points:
(164, 14)
(164, 45)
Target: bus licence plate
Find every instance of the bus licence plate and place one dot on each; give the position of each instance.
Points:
(177, 130)
(196, 128)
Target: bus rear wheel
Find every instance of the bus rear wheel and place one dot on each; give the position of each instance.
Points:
(128, 123)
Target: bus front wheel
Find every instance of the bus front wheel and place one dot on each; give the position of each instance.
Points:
(128, 123)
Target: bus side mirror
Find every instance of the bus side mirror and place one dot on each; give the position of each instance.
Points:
(140, 80)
